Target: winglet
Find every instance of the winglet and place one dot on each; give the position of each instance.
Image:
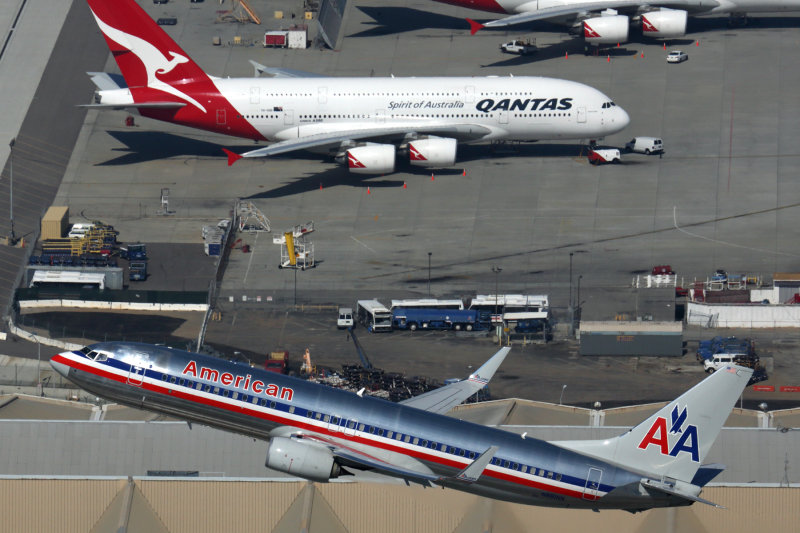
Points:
(232, 157)
(474, 27)
(474, 470)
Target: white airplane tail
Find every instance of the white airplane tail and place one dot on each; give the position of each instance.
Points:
(674, 441)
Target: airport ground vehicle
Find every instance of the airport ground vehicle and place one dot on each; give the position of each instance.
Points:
(345, 319)
(413, 319)
(599, 156)
(373, 315)
(676, 56)
(277, 362)
(645, 145)
(137, 271)
(519, 47)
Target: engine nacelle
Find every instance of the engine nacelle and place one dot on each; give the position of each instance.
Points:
(301, 459)
(665, 23)
(432, 152)
(371, 159)
(606, 30)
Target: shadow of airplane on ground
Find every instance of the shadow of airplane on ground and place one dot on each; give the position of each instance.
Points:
(143, 146)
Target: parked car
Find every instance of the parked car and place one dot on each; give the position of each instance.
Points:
(645, 145)
(676, 56)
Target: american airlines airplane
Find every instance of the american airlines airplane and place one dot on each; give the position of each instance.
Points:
(360, 121)
(608, 21)
(319, 433)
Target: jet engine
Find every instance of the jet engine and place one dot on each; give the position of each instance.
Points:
(301, 459)
(665, 23)
(432, 152)
(606, 29)
(371, 159)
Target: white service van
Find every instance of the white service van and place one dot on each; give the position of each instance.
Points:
(721, 360)
(645, 145)
(345, 319)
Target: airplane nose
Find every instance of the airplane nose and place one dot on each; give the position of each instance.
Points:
(623, 119)
(59, 367)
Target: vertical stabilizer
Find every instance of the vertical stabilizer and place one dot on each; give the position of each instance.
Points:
(146, 55)
(674, 441)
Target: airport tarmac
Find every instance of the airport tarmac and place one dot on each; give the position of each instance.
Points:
(725, 195)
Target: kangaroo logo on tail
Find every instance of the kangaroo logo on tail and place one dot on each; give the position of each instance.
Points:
(154, 61)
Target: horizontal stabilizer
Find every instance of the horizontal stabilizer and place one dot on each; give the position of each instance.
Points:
(277, 72)
(443, 399)
(108, 82)
(669, 489)
(141, 105)
(474, 27)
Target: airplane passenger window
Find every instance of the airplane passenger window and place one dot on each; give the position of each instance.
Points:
(272, 405)
(291, 409)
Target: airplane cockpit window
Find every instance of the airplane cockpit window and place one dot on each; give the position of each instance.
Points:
(95, 355)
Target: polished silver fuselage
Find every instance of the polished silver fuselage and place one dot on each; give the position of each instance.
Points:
(239, 398)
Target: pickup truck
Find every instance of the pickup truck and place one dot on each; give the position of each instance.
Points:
(519, 47)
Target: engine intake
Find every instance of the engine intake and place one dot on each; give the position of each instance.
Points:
(432, 152)
(664, 23)
(371, 159)
(606, 29)
(301, 459)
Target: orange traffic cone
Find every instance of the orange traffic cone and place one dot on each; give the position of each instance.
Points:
(465, 172)
(368, 191)
(431, 176)
(608, 59)
(697, 43)
(566, 55)
(665, 45)
(404, 185)
(320, 186)
(642, 55)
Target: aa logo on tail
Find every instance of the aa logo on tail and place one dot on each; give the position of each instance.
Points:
(659, 436)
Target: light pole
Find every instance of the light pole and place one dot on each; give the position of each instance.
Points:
(496, 269)
(429, 274)
(570, 279)
(13, 237)
(561, 398)
(295, 286)
(578, 304)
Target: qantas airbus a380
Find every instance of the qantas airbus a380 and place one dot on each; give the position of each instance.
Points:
(360, 121)
(318, 433)
(608, 21)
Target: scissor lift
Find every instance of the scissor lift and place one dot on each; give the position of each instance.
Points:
(296, 251)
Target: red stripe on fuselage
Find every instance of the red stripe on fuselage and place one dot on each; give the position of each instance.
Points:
(247, 409)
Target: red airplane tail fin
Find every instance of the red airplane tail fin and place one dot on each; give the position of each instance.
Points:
(146, 55)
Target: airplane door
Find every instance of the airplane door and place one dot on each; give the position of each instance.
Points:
(288, 117)
(322, 95)
(380, 116)
(350, 428)
(581, 114)
(333, 424)
(135, 375)
(592, 483)
(469, 94)
(502, 117)
(255, 95)
(221, 116)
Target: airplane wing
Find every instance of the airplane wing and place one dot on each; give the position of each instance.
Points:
(569, 9)
(335, 138)
(443, 399)
(277, 72)
(410, 470)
